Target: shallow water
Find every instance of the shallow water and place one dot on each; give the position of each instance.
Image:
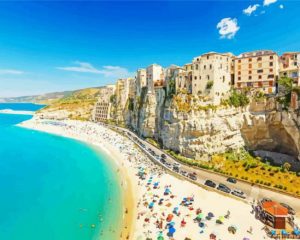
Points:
(53, 187)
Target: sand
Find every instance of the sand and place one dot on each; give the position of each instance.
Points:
(139, 219)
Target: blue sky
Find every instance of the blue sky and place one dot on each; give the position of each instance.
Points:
(55, 46)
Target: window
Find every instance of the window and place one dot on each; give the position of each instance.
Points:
(223, 78)
(204, 66)
(259, 65)
(207, 57)
(239, 61)
(271, 57)
(271, 64)
(250, 77)
(271, 83)
(260, 71)
(195, 77)
(271, 76)
(259, 76)
(239, 73)
(239, 78)
(249, 72)
(196, 66)
(239, 67)
(210, 66)
(259, 59)
(271, 69)
(250, 59)
(207, 77)
(250, 65)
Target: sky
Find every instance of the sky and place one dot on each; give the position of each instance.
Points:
(64, 45)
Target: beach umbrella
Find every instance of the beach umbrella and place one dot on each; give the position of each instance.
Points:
(200, 216)
(210, 214)
(245, 238)
(172, 230)
(160, 238)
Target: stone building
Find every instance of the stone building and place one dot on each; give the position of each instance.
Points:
(155, 77)
(141, 80)
(257, 70)
(212, 76)
(184, 79)
(103, 106)
(290, 66)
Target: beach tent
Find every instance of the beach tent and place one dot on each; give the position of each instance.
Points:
(275, 213)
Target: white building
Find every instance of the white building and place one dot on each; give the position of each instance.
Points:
(212, 76)
(155, 77)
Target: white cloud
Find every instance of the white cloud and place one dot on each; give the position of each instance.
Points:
(11, 71)
(228, 27)
(83, 67)
(249, 10)
(107, 71)
(268, 2)
(281, 6)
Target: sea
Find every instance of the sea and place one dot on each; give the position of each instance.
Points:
(54, 188)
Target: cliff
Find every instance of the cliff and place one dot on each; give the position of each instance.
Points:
(190, 126)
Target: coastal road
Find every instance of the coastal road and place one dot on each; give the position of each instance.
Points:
(252, 191)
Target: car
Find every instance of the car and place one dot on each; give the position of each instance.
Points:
(238, 193)
(231, 180)
(163, 155)
(183, 173)
(289, 208)
(210, 183)
(192, 176)
(175, 169)
(162, 160)
(168, 164)
(222, 187)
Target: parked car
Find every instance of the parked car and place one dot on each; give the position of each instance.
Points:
(222, 187)
(192, 176)
(162, 160)
(175, 169)
(163, 155)
(210, 183)
(231, 180)
(289, 208)
(183, 173)
(238, 193)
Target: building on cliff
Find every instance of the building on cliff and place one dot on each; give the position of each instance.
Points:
(212, 76)
(155, 77)
(102, 108)
(257, 70)
(141, 80)
(290, 66)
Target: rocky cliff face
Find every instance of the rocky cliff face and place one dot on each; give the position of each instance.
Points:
(274, 131)
(179, 124)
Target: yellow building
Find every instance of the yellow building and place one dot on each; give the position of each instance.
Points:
(290, 66)
(257, 70)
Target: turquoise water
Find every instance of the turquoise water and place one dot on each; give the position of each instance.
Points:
(53, 188)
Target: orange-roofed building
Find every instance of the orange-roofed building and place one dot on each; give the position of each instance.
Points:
(275, 213)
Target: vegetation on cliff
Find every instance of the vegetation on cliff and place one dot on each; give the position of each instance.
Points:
(241, 165)
(79, 104)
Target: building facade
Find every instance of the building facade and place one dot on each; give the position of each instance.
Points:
(155, 77)
(257, 70)
(141, 80)
(290, 66)
(212, 76)
(103, 106)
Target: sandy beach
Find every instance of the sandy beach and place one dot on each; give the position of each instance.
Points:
(158, 204)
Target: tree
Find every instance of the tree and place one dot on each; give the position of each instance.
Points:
(286, 166)
(113, 99)
(285, 86)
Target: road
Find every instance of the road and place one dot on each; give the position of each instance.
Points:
(252, 191)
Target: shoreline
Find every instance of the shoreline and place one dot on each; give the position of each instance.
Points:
(145, 202)
(128, 198)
